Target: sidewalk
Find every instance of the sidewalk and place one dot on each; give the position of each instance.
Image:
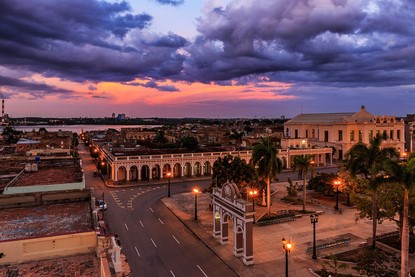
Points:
(269, 257)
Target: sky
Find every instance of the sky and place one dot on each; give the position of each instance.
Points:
(213, 58)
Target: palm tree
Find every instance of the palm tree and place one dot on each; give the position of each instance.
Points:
(404, 174)
(237, 136)
(303, 165)
(264, 156)
(366, 161)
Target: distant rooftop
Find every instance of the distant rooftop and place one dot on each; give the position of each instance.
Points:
(45, 220)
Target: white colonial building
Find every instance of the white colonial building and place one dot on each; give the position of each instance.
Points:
(341, 131)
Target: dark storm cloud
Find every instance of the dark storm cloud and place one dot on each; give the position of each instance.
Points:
(345, 43)
(84, 40)
(342, 43)
(170, 2)
(17, 86)
(153, 84)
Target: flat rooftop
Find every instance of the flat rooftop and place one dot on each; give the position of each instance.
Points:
(50, 176)
(79, 265)
(45, 220)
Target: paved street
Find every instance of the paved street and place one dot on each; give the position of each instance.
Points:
(155, 242)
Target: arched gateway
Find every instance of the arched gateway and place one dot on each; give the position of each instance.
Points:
(228, 204)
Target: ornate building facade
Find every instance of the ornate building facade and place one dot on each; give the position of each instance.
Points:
(340, 131)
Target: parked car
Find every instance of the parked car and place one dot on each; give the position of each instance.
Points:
(101, 204)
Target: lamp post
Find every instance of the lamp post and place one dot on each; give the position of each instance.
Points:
(314, 220)
(337, 184)
(195, 191)
(253, 193)
(286, 245)
(168, 184)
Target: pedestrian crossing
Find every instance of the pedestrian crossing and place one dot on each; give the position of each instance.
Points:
(133, 194)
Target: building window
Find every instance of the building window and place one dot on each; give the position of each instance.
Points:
(295, 133)
(326, 136)
(340, 135)
(398, 134)
(360, 135)
(385, 134)
(391, 134)
(306, 133)
(370, 135)
(352, 135)
(313, 133)
(286, 132)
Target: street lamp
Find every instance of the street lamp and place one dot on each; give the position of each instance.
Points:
(286, 245)
(168, 186)
(312, 162)
(196, 191)
(337, 184)
(314, 220)
(253, 193)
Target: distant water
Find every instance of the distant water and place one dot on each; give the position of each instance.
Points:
(79, 128)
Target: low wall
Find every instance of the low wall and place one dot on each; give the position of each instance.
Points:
(40, 198)
(18, 251)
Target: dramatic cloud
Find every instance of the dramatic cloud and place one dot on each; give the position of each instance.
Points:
(153, 84)
(12, 87)
(85, 40)
(243, 48)
(345, 43)
(170, 2)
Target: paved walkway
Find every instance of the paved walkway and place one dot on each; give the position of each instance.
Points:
(269, 257)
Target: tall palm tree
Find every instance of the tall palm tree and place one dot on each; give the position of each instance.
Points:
(303, 165)
(366, 161)
(264, 156)
(403, 173)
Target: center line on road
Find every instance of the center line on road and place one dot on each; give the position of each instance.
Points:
(151, 209)
(202, 270)
(142, 225)
(172, 274)
(153, 242)
(136, 250)
(175, 239)
(161, 221)
(126, 227)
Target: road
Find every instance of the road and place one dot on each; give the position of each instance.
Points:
(154, 241)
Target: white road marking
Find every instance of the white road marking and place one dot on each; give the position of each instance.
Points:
(131, 189)
(151, 209)
(142, 225)
(202, 270)
(161, 221)
(172, 274)
(175, 239)
(153, 242)
(136, 250)
(126, 227)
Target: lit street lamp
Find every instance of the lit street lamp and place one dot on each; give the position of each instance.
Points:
(314, 220)
(196, 191)
(337, 184)
(286, 245)
(168, 185)
(253, 193)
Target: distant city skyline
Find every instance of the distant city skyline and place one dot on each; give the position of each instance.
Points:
(213, 59)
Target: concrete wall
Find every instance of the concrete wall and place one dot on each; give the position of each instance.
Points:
(18, 251)
(34, 199)
(40, 188)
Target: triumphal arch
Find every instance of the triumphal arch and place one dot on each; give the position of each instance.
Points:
(229, 205)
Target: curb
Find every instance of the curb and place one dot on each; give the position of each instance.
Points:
(170, 208)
